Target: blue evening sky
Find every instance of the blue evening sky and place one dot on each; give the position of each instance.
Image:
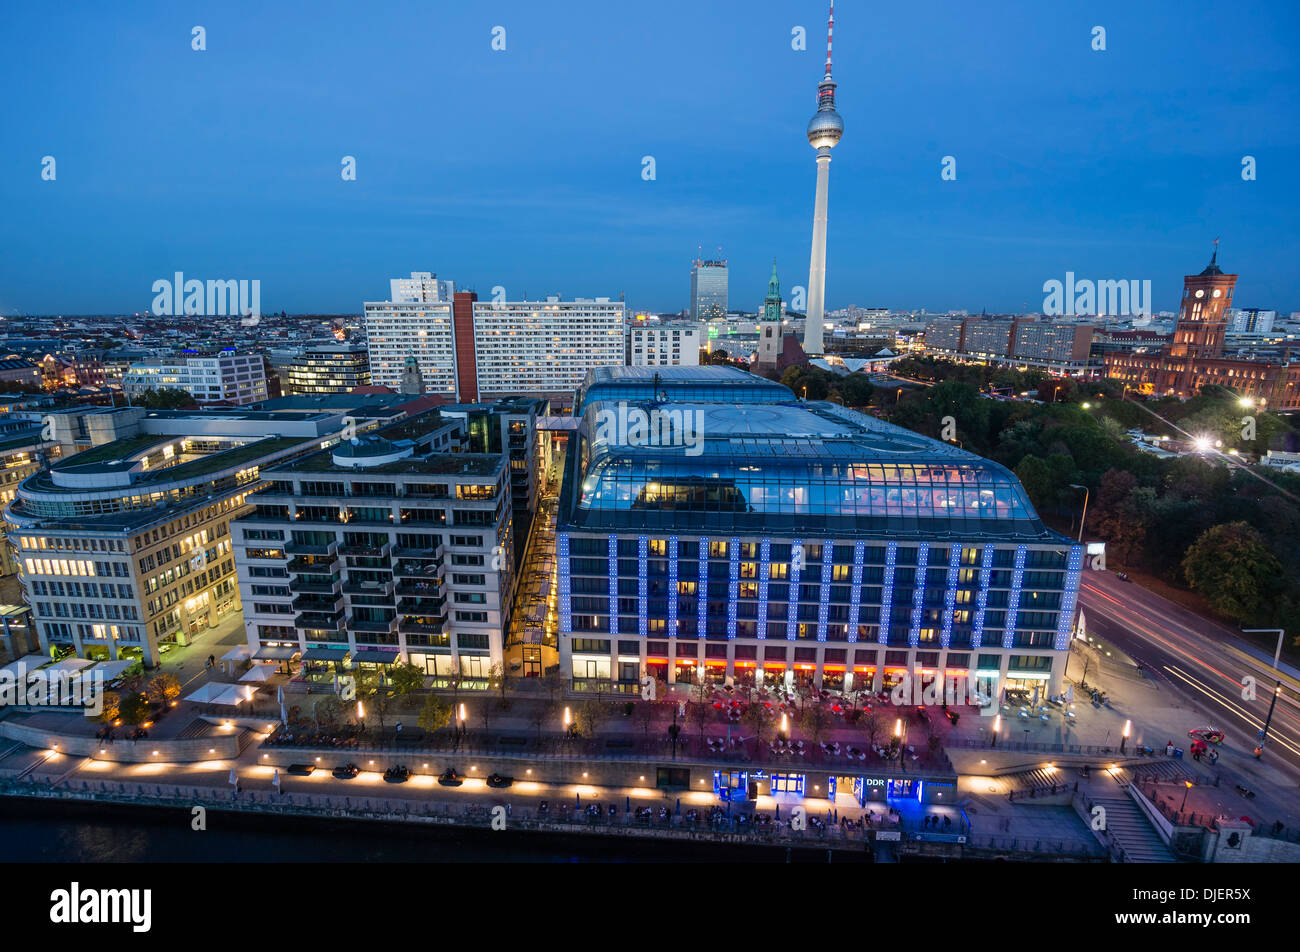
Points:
(522, 168)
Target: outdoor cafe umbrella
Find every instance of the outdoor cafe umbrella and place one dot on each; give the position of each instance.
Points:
(279, 694)
(234, 780)
(275, 779)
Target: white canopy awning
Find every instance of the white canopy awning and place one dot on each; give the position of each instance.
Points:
(237, 653)
(206, 692)
(259, 672)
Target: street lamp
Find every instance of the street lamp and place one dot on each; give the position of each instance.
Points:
(1123, 737)
(1263, 735)
(1277, 653)
(900, 735)
(1084, 517)
(997, 728)
(1188, 784)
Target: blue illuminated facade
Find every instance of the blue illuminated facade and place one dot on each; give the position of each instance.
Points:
(792, 542)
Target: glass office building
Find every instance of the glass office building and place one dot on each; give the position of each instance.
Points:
(786, 542)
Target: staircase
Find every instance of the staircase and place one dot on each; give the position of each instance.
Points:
(1038, 779)
(1158, 770)
(1128, 828)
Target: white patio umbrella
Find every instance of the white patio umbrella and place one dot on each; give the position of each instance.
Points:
(259, 672)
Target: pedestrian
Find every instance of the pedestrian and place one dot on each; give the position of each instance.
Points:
(399, 727)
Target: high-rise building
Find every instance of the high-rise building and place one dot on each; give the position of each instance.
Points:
(475, 350)
(384, 547)
(543, 348)
(420, 288)
(708, 289)
(824, 131)
(328, 368)
(1251, 320)
(397, 330)
(796, 544)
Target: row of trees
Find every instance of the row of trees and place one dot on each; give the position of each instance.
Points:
(1222, 530)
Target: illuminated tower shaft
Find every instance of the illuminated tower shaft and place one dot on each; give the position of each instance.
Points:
(813, 342)
(824, 131)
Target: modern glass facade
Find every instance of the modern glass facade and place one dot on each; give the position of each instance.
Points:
(723, 385)
(802, 543)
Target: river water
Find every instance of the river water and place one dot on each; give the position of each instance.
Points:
(59, 831)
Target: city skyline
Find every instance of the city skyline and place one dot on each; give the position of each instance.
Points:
(1120, 162)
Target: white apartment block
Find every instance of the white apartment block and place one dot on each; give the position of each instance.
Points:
(397, 330)
(663, 345)
(545, 346)
(420, 288)
(218, 378)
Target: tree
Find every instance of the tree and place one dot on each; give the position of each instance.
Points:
(375, 694)
(1233, 567)
(872, 725)
(645, 714)
(500, 679)
(405, 679)
(163, 688)
(855, 390)
(591, 715)
(553, 682)
(757, 717)
(814, 719)
(1035, 475)
(540, 714)
(327, 710)
(164, 398)
(698, 713)
(112, 708)
(435, 714)
(134, 708)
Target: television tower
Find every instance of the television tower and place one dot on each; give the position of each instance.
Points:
(824, 131)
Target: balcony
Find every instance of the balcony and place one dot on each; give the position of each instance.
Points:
(407, 627)
(325, 565)
(419, 589)
(372, 625)
(301, 548)
(406, 552)
(367, 587)
(422, 606)
(318, 603)
(374, 551)
(319, 621)
(327, 585)
(420, 570)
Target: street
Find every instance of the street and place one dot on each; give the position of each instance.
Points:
(1200, 659)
